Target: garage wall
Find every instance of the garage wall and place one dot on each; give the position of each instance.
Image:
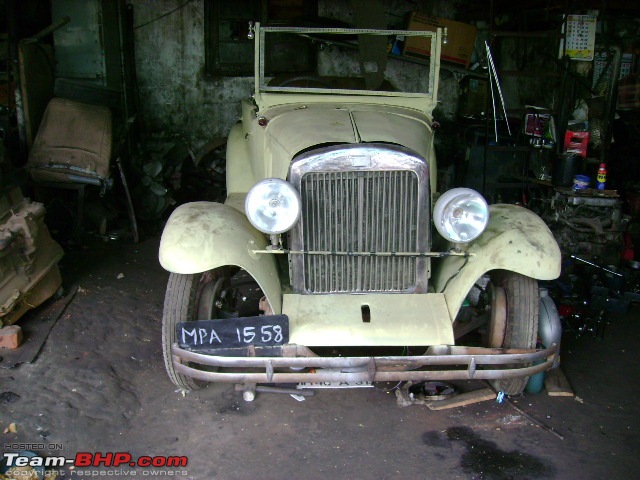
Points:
(177, 97)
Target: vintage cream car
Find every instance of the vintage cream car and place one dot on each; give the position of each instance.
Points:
(328, 261)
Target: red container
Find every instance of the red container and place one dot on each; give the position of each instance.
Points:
(576, 142)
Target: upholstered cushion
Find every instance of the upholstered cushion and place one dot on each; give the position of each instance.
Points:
(74, 138)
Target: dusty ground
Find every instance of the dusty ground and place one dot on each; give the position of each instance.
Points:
(99, 385)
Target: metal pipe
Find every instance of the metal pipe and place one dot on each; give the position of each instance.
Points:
(84, 180)
(596, 265)
(280, 390)
(357, 369)
(534, 420)
(495, 75)
(365, 376)
(493, 99)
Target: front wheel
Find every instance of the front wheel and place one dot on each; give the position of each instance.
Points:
(219, 294)
(190, 297)
(513, 321)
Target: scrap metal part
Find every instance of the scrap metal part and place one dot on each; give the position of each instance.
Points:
(29, 257)
(590, 225)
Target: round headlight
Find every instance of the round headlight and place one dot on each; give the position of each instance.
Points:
(272, 206)
(461, 215)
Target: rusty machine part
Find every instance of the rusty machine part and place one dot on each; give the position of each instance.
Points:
(590, 226)
(29, 257)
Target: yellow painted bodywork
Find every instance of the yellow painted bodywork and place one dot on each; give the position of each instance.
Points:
(257, 152)
(200, 236)
(516, 239)
(395, 320)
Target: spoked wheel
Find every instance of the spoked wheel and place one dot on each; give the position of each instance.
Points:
(199, 296)
(513, 320)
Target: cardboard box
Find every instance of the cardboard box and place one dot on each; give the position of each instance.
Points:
(460, 39)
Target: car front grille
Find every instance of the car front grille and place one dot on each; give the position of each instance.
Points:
(355, 223)
(359, 212)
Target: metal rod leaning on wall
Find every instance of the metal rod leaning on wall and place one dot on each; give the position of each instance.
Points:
(493, 71)
(596, 265)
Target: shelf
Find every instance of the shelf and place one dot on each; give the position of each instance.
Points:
(509, 148)
(519, 180)
(539, 111)
(515, 33)
(519, 73)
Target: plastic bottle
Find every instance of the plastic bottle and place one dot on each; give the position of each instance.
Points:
(601, 178)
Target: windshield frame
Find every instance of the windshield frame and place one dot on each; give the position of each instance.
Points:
(433, 66)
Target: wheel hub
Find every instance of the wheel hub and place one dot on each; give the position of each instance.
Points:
(209, 301)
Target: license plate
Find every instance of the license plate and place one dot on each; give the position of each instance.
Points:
(263, 331)
(363, 384)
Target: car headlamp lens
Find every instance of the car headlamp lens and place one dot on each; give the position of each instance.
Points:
(272, 206)
(461, 215)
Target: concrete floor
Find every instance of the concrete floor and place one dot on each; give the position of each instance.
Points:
(99, 385)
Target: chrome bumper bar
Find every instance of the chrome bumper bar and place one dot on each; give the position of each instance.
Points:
(440, 362)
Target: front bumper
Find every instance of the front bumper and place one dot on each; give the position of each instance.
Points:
(295, 363)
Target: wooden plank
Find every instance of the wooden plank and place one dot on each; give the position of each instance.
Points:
(36, 84)
(463, 399)
(556, 384)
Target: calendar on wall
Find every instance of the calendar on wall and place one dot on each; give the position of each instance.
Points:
(580, 37)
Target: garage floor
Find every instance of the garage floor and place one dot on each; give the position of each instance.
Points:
(99, 385)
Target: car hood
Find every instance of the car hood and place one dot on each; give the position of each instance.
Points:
(293, 130)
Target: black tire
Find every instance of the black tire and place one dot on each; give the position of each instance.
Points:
(189, 297)
(225, 292)
(521, 330)
(178, 307)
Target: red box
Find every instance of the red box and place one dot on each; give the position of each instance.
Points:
(576, 142)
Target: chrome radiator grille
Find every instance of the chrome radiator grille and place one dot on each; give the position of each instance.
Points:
(362, 205)
(368, 211)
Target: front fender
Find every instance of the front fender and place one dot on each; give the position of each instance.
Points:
(240, 175)
(516, 239)
(200, 236)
